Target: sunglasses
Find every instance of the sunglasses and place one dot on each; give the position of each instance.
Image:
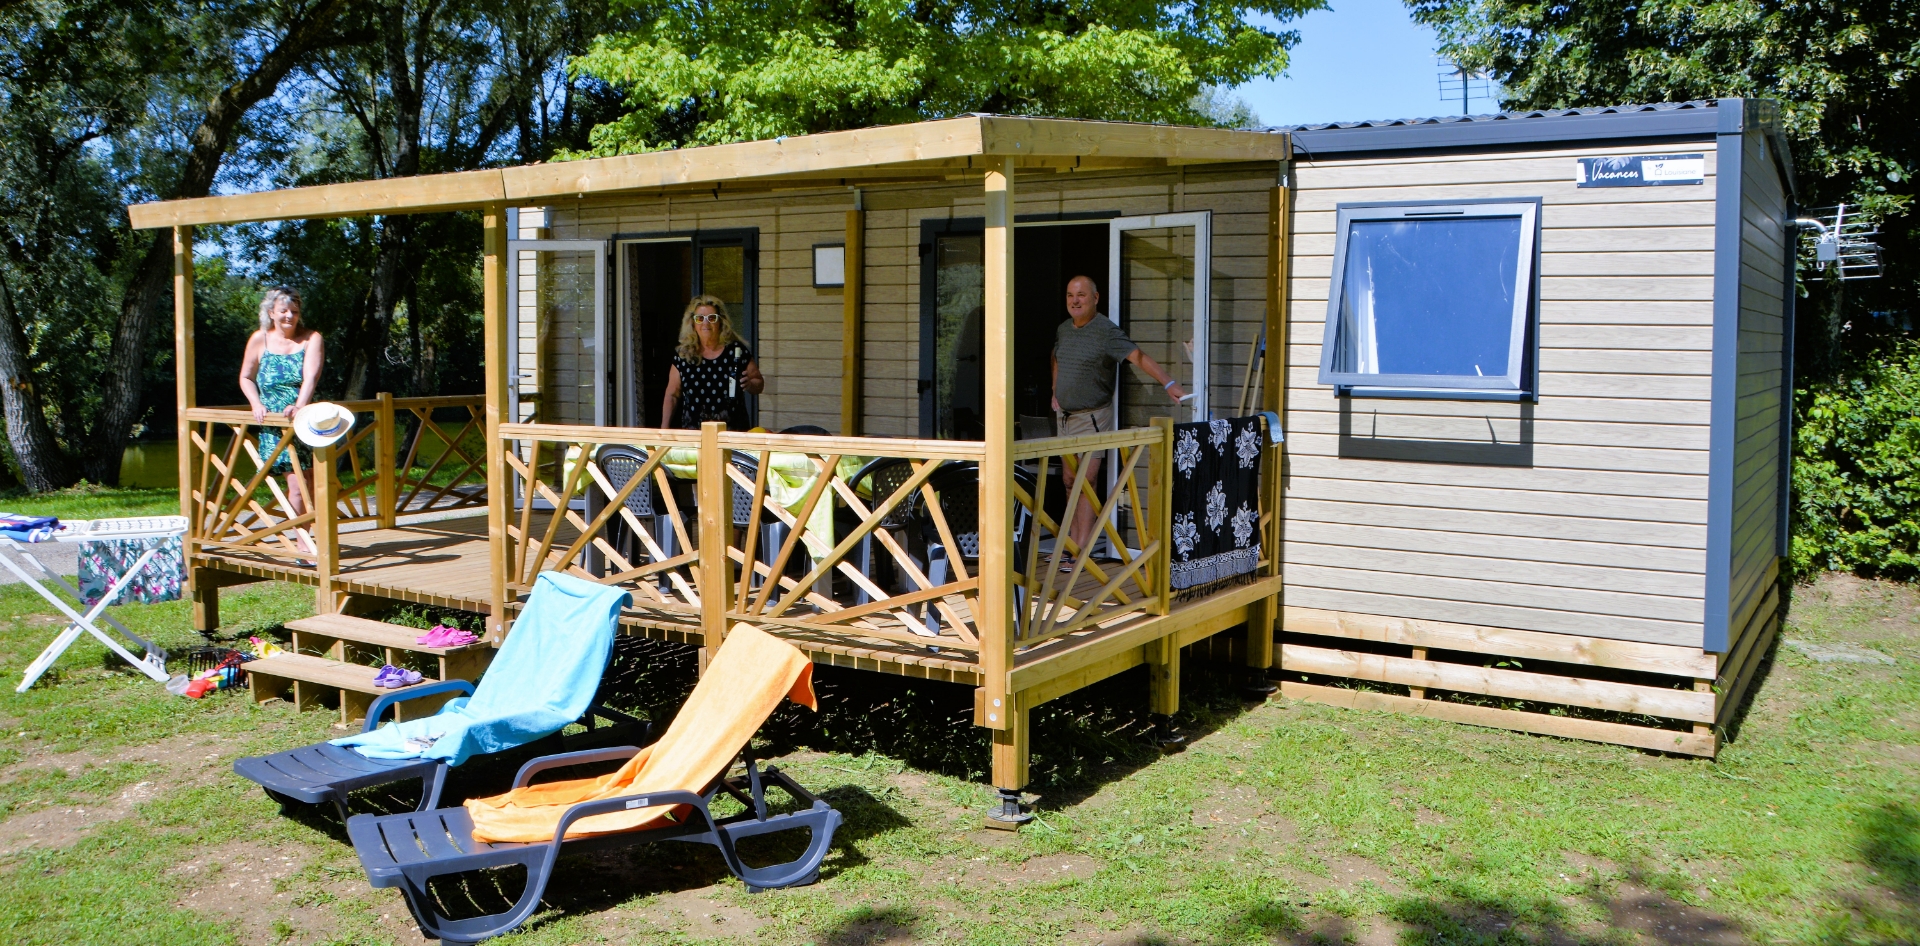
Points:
(706, 318)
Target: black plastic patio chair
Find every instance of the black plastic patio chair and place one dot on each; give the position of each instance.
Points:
(620, 463)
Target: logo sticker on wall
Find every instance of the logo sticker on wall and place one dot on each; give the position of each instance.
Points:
(1641, 170)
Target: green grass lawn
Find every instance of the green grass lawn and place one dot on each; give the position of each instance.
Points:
(92, 502)
(120, 822)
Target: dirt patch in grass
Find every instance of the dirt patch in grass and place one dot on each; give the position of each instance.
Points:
(695, 912)
(178, 762)
(241, 886)
(1660, 919)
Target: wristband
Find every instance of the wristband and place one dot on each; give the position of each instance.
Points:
(1169, 385)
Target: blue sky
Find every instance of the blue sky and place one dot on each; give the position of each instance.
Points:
(1361, 59)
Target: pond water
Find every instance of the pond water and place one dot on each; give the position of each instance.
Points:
(155, 464)
(151, 465)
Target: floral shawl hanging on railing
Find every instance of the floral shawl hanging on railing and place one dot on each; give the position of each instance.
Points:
(1216, 500)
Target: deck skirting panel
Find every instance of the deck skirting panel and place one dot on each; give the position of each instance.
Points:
(1378, 655)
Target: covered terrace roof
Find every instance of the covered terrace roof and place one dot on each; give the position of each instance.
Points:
(921, 152)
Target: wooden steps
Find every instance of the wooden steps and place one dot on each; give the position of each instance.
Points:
(327, 657)
(346, 638)
(311, 677)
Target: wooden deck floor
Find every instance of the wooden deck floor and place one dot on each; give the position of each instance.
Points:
(444, 564)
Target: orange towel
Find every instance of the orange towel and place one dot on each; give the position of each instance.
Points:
(749, 675)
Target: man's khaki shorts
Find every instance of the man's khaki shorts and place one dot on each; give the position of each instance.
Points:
(1096, 421)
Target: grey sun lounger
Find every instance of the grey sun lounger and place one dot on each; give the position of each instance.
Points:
(324, 773)
(409, 850)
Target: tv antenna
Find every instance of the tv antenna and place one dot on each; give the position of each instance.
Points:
(1464, 83)
(1845, 241)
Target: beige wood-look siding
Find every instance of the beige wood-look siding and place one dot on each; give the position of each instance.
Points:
(800, 326)
(1582, 514)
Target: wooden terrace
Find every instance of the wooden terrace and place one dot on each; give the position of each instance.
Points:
(951, 566)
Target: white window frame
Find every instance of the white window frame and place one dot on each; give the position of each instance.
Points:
(1516, 383)
(599, 250)
(1202, 223)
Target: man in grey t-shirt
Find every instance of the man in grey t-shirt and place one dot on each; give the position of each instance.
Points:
(1086, 349)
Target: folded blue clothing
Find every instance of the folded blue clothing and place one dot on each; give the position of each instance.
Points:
(27, 535)
(543, 678)
(12, 520)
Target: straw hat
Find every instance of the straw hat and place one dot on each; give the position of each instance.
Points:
(322, 424)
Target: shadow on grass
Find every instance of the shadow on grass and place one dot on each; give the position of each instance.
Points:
(602, 880)
(1634, 912)
(1887, 911)
(867, 926)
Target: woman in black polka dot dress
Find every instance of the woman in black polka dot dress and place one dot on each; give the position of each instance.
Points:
(713, 370)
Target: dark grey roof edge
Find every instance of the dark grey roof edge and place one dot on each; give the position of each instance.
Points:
(1701, 119)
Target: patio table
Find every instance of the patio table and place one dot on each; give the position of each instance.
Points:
(789, 477)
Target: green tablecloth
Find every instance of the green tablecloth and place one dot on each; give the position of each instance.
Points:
(789, 477)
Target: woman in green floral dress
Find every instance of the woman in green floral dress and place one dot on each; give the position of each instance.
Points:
(278, 375)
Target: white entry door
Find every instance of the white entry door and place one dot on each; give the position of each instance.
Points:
(558, 355)
(1159, 266)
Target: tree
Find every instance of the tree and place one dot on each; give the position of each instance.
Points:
(724, 70)
(451, 85)
(100, 104)
(71, 76)
(1843, 72)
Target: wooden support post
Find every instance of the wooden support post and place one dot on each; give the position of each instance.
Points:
(1163, 676)
(852, 326)
(716, 534)
(1701, 685)
(184, 395)
(1161, 480)
(326, 527)
(206, 602)
(1010, 749)
(499, 489)
(385, 448)
(1418, 693)
(1264, 614)
(995, 620)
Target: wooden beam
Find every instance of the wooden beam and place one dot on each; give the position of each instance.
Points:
(853, 326)
(995, 618)
(892, 144)
(184, 390)
(1163, 675)
(1643, 737)
(715, 536)
(959, 145)
(1493, 681)
(1503, 642)
(323, 499)
(496, 336)
(1273, 397)
(1009, 135)
(463, 190)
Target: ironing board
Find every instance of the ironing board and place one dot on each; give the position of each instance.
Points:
(154, 663)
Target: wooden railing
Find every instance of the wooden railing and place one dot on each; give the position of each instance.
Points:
(819, 543)
(1135, 522)
(568, 506)
(235, 507)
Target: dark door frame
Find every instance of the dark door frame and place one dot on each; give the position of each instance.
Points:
(746, 321)
(930, 231)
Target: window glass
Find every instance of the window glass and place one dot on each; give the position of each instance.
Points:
(959, 387)
(723, 273)
(1429, 297)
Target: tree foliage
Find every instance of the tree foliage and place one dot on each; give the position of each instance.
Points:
(106, 104)
(1856, 479)
(712, 71)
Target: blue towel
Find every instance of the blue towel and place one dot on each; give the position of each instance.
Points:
(543, 678)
